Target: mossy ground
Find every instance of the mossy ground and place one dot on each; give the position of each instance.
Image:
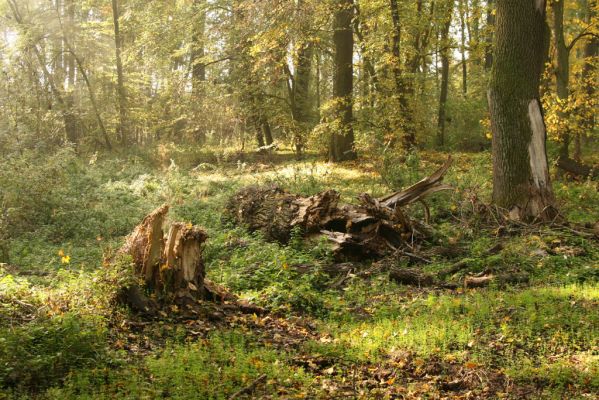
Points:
(61, 337)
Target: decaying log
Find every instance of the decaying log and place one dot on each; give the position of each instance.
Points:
(576, 168)
(267, 149)
(411, 276)
(374, 228)
(500, 280)
(172, 267)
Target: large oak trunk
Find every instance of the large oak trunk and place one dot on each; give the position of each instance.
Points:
(520, 171)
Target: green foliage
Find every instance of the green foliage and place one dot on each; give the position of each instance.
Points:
(214, 368)
(399, 170)
(41, 353)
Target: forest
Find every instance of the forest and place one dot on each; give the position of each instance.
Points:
(299, 199)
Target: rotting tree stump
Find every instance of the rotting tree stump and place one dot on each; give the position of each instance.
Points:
(171, 267)
(372, 229)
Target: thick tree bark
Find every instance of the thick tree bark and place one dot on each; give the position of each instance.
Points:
(445, 52)
(342, 140)
(520, 172)
(121, 94)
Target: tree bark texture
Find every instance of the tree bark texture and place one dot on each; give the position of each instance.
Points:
(445, 52)
(520, 172)
(342, 140)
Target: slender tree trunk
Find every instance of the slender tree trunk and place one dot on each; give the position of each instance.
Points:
(562, 71)
(318, 79)
(303, 74)
(70, 120)
(520, 171)
(473, 26)
(342, 141)
(404, 86)
(301, 88)
(259, 132)
(73, 60)
(463, 17)
(198, 68)
(122, 96)
(489, 34)
(445, 51)
(266, 131)
(590, 53)
(70, 64)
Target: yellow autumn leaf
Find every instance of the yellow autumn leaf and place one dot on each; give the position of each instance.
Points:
(60, 253)
(65, 259)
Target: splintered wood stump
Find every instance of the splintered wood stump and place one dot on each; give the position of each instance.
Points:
(173, 266)
(374, 228)
(145, 245)
(182, 271)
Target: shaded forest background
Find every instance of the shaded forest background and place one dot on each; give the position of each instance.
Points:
(239, 74)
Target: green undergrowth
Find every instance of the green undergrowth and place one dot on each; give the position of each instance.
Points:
(57, 310)
(214, 368)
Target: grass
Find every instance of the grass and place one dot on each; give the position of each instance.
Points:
(61, 337)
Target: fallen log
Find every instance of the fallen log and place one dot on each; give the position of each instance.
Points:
(411, 276)
(576, 168)
(372, 229)
(501, 280)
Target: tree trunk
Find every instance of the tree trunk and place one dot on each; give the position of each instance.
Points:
(70, 119)
(562, 71)
(70, 63)
(590, 52)
(490, 29)
(266, 131)
(404, 86)
(303, 72)
(520, 172)
(342, 141)
(445, 51)
(463, 17)
(198, 68)
(74, 60)
(121, 94)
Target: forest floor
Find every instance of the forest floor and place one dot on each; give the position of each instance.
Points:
(62, 337)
